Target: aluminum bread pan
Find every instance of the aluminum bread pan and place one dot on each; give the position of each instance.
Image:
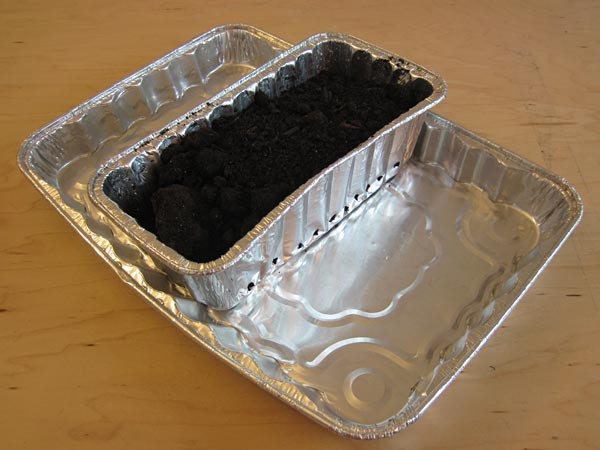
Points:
(308, 213)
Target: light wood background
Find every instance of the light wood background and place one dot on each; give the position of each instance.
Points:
(86, 364)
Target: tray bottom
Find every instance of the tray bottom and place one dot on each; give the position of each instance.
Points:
(367, 315)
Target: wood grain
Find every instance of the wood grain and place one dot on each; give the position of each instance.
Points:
(85, 363)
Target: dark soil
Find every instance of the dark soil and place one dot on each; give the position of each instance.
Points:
(216, 184)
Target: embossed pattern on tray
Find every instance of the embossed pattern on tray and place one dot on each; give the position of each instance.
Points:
(384, 312)
(367, 315)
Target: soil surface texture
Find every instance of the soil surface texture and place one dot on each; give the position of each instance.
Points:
(216, 184)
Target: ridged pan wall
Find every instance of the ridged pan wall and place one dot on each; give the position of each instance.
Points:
(308, 213)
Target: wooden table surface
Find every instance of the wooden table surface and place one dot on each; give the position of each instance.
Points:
(85, 363)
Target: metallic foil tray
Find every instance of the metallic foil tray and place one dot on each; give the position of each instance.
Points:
(306, 215)
(362, 330)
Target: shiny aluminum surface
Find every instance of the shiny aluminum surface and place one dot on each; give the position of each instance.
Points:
(461, 204)
(305, 215)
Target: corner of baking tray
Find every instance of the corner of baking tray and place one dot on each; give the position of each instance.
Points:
(576, 203)
(28, 144)
(23, 155)
(569, 192)
(250, 28)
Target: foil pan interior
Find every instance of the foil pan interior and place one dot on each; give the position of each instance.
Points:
(309, 213)
(375, 317)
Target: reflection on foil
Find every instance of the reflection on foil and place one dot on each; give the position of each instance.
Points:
(363, 314)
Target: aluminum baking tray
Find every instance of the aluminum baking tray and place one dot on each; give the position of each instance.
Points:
(307, 214)
(449, 246)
